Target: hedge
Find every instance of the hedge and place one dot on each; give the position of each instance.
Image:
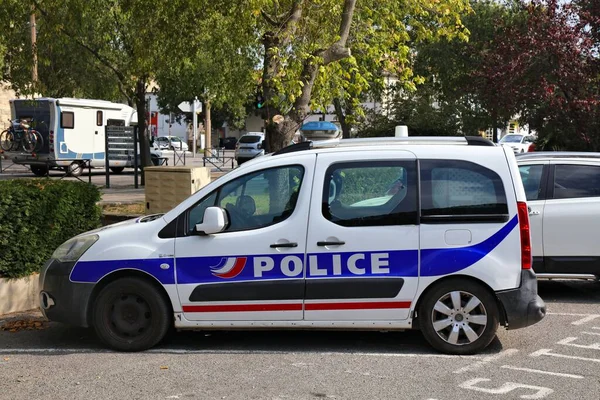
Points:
(37, 215)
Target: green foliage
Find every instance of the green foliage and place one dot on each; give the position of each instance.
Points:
(36, 216)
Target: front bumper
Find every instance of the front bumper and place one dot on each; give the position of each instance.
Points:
(60, 299)
(523, 307)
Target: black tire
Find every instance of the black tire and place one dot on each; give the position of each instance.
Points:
(487, 310)
(39, 171)
(144, 317)
(117, 170)
(7, 140)
(39, 141)
(75, 169)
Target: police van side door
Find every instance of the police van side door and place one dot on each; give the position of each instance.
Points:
(254, 270)
(363, 237)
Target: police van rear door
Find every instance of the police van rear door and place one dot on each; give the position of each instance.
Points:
(363, 237)
(254, 270)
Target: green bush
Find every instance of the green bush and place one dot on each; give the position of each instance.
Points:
(36, 216)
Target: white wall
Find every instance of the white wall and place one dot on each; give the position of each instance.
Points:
(176, 129)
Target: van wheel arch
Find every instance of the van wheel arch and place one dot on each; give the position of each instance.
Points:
(458, 278)
(106, 280)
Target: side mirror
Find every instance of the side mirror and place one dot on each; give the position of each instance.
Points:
(215, 221)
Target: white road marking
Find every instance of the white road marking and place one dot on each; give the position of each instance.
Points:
(540, 392)
(595, 327)
(486, 360)
(591, 333)
(184, 351)
(586, 317)
(569, 342)
(538, 371)
(548, 352)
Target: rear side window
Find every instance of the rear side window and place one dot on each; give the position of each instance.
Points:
(67, 120)
(250, 139)
(459, 191)
(576, 181)
(531, 175)
(371, 194)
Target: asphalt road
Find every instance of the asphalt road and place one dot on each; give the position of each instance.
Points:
(559, 358)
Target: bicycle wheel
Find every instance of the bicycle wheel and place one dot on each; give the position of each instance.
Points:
(29, 141)
(7, 140)
(39, 141)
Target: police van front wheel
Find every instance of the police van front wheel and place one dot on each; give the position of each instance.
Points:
(131, 315)
(459, 317)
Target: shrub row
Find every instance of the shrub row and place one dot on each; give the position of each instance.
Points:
(36, 216)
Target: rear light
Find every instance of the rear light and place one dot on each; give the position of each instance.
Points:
(51, 140)
(525, 235)
(531, 147)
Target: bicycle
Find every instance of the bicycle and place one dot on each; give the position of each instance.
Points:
(20, 134)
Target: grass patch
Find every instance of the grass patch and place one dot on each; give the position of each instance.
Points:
(124, 209)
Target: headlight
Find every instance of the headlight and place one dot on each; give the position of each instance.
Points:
(73, 249)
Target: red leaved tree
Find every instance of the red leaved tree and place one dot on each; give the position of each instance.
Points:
(545, 69)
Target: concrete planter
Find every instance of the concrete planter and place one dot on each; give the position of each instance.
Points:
(19, 294)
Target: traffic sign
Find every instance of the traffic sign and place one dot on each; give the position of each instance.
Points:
(186, 106)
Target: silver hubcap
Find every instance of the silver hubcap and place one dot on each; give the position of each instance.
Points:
(459, 318)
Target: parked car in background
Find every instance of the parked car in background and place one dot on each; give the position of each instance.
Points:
(563, 195)
(519, 143)
(249, 146)
(228, 143)
(170, 143)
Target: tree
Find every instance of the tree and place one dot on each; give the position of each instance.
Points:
(308, 50)
(548, 72)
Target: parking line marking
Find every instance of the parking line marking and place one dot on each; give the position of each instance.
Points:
(569, 342)
(586, 317)
(486, 360)
(216, 352)
(538, 371)
(591, 333)
(548, 352)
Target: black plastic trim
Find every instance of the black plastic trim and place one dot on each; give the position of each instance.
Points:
(572, 264)
(247, 291)
(353, 288)
(479, 141)
(295, 147)
(464, 219)
(70, 299)
(523, 307)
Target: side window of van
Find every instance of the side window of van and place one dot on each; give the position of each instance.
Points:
(67, 120)
(460, 191)
(371, 193)
(256, 200)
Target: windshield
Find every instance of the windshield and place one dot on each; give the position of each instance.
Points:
(511, 139)
(250, 139)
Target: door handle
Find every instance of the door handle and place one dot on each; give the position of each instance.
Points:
(289, 244)
(340, 243)
(534, 212)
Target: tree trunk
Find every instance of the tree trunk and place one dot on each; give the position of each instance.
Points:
(207, 129)
(494, 126)
(140, 100)
(341, 116)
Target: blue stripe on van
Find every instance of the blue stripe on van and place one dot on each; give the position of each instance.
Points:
(402, 263)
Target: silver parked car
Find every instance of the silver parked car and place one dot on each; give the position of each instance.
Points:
(249, 146)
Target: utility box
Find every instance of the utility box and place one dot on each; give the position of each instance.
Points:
(168, 186)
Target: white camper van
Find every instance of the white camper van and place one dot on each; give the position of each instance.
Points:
(73, 130)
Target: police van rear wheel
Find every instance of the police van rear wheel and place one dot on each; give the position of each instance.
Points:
(130, 315)
(459, 317)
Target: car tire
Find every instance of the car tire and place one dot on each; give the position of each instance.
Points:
(74, 169)
(39, 171)
(131, 315)
(454, 328)
(117, 170)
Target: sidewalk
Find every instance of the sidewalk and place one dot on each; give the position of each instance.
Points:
(130, 195)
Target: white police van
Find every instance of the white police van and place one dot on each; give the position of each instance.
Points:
(381, 234)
